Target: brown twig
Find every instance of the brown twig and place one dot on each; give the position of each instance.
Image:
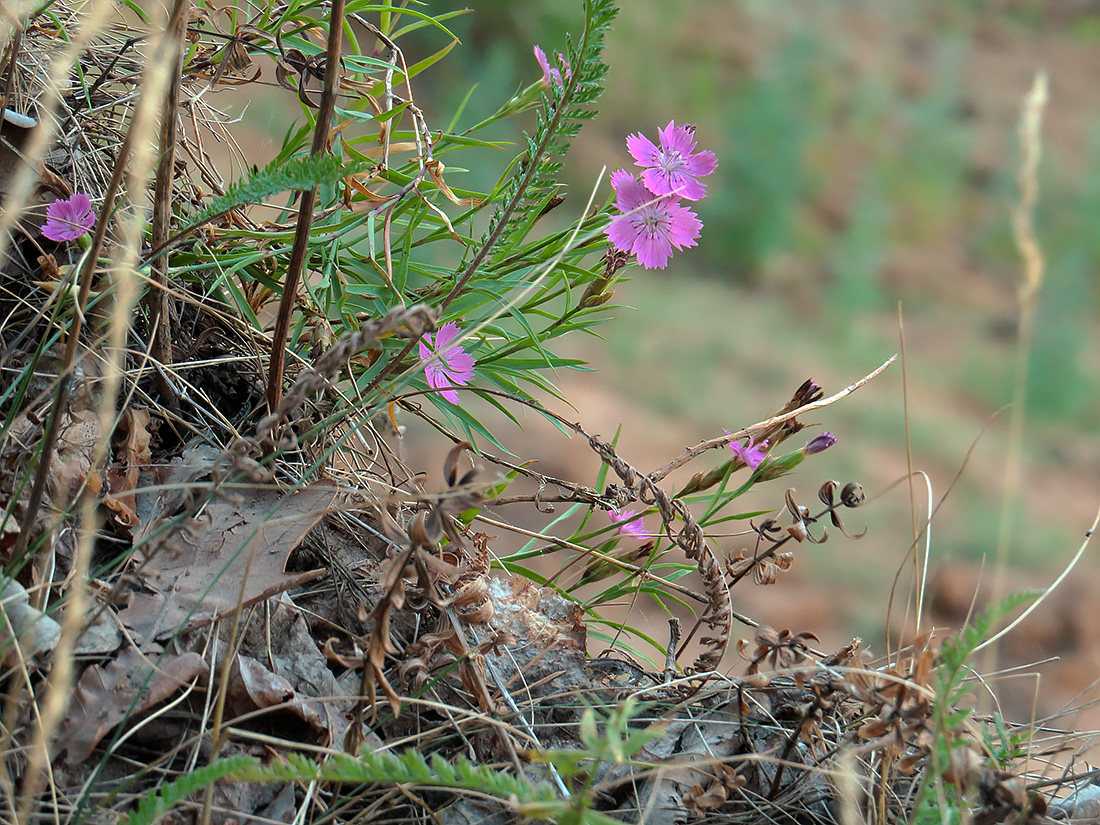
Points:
(156, 299)
(713, 443)
(300, 248)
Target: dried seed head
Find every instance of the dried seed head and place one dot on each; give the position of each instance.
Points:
(852, 495)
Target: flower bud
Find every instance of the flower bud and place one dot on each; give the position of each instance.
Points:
(819, 444)
(775, 468)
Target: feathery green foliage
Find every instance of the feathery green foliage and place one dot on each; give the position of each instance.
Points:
(535, 180)
(410, 767)
(296, 174)
(155, 805)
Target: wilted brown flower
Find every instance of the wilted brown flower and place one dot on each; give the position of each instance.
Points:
(780, 650)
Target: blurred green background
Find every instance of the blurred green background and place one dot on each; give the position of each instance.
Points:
(868, 156)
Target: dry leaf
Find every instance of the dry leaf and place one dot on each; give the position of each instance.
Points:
(198, 577)
(253, 687)
(108, 694)
(33, 631)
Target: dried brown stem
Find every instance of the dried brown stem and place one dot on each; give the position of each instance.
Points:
(300, 248)
(156, 299)
(713, 443)
(718, 615)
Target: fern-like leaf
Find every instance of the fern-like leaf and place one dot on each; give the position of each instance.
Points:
(534, 179)
(157, 804)
(408, 767)
(298, 173)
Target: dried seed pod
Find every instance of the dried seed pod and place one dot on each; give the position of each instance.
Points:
(852, 495)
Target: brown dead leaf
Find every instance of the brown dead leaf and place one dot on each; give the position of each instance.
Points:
(197, 577)
(75, 447)
(108, 694)
(294, 655)
(133, 452)
(253, 687)
(70, 462)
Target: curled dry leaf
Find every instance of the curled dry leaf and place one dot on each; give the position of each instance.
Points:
(132, 453)
(253, 687)
(780, 650)
(699, 802)
(766, 568)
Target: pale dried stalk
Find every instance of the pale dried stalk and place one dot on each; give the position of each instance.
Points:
(1023, 232)
(126, 256)
(702, 447)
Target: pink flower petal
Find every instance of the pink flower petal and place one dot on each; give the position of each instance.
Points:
(642, 149)
(540, 56)
(672, 167)
(446, 364)
(67, 220)
(626, 524)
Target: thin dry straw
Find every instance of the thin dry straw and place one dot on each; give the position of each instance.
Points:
(1023, 230)
(126, 256)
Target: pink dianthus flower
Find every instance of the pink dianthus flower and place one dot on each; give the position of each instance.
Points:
(626, 524)
(551, 74)
(650, 226)
(672, 167)
(69, 219)
(446, 364)
(752, 453)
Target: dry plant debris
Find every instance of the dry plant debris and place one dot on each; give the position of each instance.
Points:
(230, 555)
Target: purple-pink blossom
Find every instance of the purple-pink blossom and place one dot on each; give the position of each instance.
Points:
(69, 219)
(751, 453)
(446, 364)
(672, 167)
(551, 73)
(627, 524)
(650, 226)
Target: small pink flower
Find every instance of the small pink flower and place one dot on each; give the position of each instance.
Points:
(650, 226)
(69, 219)
(626, 524)
(446, 364)
(752, 453)
(550, 73)
(673, 166)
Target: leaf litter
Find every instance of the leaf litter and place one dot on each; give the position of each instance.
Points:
(231, 555)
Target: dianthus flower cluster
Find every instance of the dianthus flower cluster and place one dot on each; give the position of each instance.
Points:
(551, 75)
(653, 220)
